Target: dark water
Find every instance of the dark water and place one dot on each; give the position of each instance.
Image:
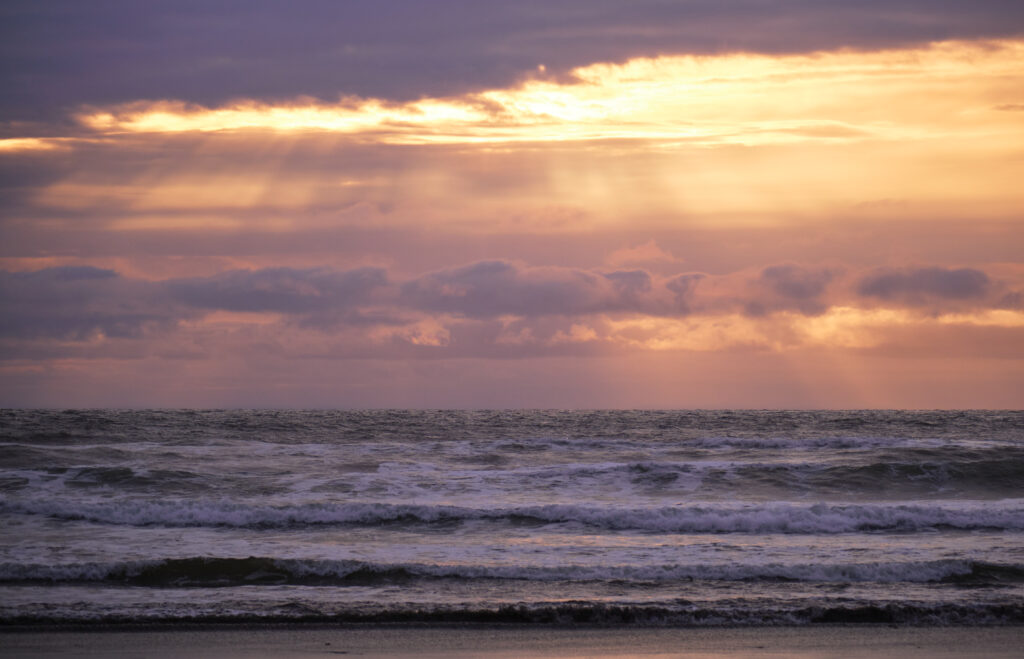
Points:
(613, 517)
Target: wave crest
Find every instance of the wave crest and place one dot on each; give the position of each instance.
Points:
(212, 572)
(711, 518)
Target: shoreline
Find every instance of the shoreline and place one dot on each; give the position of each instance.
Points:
(184, 624)
(224, 640)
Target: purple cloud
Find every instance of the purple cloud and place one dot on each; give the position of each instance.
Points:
(921, 285)
(495, 307)
(630, 282)
(78, 302)
(796, 282)
(790, 287)
(494, 288)
(682, 288)
(284, 290)
(63, 52)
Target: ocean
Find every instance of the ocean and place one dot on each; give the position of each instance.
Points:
(609, 518)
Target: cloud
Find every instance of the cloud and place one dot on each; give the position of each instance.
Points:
(919, 286)
(667, 100)
(682, 288)
(78, 303)
(319, 298)
(81, 303)
(630, 282)
(284, 290)
(296, 167)
(1011, 300)
(489, 309)
(495, 288)
(405, 49)
(790, 287)
(796, 282)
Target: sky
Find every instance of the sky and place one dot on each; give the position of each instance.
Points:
(465, 204)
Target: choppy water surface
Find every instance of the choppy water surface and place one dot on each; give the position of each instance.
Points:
(615, 517)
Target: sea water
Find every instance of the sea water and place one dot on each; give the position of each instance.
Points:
(599, 517)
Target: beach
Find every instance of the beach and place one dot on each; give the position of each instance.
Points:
(511, 534)
(524, 329)
(514, 641)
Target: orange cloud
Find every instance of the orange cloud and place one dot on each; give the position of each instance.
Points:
(15, 144)
(948, 89)
(738, 140)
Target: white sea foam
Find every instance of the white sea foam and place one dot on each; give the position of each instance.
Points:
(714, 517)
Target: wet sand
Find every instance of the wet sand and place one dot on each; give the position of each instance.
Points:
(520, 641)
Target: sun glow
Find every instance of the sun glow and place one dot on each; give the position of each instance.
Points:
(929, 133)
(30, 144)
(841, 327)
(741, 99)
(356, 117)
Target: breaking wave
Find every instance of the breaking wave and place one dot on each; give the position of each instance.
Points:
(710, 518)
(210, 572)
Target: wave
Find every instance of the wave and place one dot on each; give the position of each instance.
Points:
(819, 442)
(712, 518)
(989, 477)
(995, 476)
(968, 474)
(208, 572)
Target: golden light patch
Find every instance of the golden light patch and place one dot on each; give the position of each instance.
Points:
(737, 140)
(838, 328)
(988, 318)
(355, 117)
(849, 327)
(698, 334)
(31, 144)
(949, 89)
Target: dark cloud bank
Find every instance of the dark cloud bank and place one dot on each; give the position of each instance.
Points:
(917, 286)
(77, 303)
(62, 53)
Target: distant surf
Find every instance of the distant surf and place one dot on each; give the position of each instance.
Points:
(611, 518)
